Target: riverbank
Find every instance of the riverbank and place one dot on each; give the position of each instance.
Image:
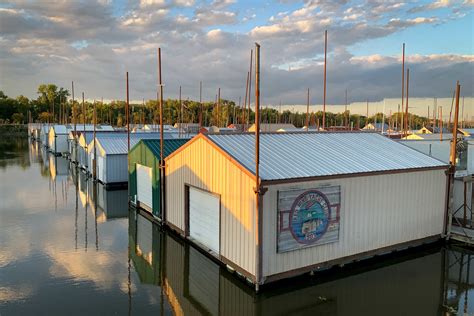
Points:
(14, 130)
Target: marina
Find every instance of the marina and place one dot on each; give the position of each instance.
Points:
(70, 244)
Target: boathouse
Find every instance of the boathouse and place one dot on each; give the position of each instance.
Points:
(325, 199)
(57, 139)
(144, 172)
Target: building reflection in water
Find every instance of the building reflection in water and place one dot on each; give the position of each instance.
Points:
(428, 281)
(432, 282)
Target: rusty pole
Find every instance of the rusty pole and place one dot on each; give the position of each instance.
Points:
(307, 112)
(451, 110)
(127, 115)
(162, 193)
(441, 122)
(452, 156)
(218, 107)
(83, 112)
(250, 87)
(200, 105)
(244, 128)
(345, 111)
(403, 84)
(367, 117)
(325, 61)
(180, 113)
(406, 105)
(258, 190)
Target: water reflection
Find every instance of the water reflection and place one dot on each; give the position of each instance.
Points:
(411, 284)
(69, 246)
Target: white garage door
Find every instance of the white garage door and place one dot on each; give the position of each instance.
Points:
(144, 186)
(204, 218)
(100, 169)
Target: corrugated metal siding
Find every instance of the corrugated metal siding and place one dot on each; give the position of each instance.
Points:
(115, 167)
(141, 154)
(202, 166)
(376, 211)
(307, 154)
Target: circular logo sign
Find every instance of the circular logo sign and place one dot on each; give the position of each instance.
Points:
(309, 216)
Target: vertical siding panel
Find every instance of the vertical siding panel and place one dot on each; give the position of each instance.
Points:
(376, 211)
(200, 165)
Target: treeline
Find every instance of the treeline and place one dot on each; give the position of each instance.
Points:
(54, 105)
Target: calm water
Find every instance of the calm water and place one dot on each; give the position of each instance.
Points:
(70, 247)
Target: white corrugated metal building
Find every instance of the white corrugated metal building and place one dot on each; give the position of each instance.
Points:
(328, 198)
(57, 139)
(112, 153)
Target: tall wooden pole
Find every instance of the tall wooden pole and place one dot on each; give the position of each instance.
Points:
(250, 87)
(403, 83)
(307, 111)
(218, 107)
(367, 117)
(452, 156)
(258, 191)
(441, 122)
(244, 126)
(406, 105)
(345, 111)
(325, 62)
(162, 160)
(127, 116)
(200, 105)
(180, 113)
(83, 112)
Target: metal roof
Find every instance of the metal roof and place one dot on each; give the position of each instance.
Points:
(59, 129)
(118, 144)
(313, 154)
(169, 145)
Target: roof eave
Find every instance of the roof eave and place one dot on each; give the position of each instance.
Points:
(351, 175)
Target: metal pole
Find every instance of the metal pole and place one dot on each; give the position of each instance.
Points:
(83, 112)
(218, 107)
(406, 105)
(127, 116)
(367, 120)
(441, 122)
(307, 112)
(162, 165)
(257, 162)
(325, 61)
(403, 83)
(450, 111)
(244, 127)
(452, 157)
(250, 87)
(345, 111)
(200, 105)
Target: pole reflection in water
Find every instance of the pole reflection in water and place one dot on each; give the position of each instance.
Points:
(138, 269)
(411, 283)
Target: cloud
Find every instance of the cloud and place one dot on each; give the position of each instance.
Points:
(47, 40)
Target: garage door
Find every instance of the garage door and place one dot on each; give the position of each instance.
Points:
(100, 169)
(204, 218)
(144, 186)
